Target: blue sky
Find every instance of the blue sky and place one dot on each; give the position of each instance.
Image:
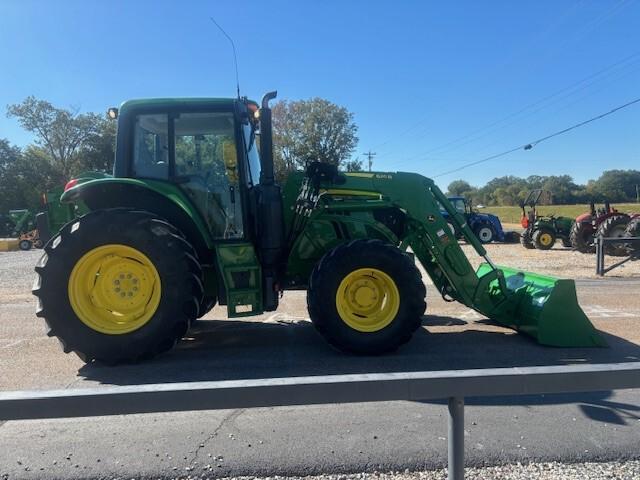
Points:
(432, 85)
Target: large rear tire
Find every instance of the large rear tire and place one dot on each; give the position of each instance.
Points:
(614, 227)
(117, 286)
(366, 297)
(581, 237)
(633, 230)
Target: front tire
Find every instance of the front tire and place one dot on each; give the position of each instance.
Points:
(25, 245)
(118, 286)
(366, 297)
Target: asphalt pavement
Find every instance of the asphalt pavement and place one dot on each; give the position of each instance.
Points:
(314, 439)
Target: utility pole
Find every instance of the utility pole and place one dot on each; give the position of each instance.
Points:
(637, 193)
(370, 156)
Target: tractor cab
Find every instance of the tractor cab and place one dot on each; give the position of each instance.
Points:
(206, 148)
(195, 162)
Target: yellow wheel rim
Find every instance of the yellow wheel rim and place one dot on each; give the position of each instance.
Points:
(545, 239)
(367, 300)
(114, 289)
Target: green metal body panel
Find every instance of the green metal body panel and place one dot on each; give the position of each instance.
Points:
(166, 189)
(22, 220)
(561, 226)
(58, 213)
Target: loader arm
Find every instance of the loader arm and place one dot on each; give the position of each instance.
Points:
(543, 307)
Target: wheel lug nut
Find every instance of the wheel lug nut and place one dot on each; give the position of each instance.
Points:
(116, 282)
(128, 275)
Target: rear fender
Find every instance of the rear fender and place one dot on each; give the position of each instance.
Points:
(164, 199)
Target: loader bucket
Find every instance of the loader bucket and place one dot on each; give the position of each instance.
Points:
(544, 307)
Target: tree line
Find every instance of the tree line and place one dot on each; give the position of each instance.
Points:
(613, 185)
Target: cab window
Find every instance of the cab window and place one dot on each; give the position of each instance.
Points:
(206, 167)
(151, 147)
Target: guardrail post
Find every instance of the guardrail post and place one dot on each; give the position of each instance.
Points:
(456, 439)
(600, 255)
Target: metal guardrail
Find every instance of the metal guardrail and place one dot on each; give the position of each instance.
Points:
(601, 242)
(452, 384)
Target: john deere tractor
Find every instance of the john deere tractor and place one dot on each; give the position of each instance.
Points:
(542, 231)
(193, 217)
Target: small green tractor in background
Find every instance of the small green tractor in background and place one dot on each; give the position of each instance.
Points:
(542, 231)
(20, 224)
(35, 230)
(193, 217)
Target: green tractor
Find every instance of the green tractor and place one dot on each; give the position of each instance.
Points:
(20, 224)
(193, 217)
(542, 231)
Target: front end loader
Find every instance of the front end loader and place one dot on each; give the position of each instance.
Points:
(193, 217)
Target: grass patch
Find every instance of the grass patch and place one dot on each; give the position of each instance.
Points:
(512, 214)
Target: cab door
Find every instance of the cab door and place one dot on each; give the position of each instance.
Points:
(206, 167)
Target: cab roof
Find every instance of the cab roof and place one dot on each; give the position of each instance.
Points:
(177, 103)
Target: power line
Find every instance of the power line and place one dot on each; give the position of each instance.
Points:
(529, 146)
(570, 90)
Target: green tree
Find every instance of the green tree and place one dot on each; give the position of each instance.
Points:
(311, 130)
(561, 187)
(98, 151)
(353, 165)
(60, 132)
(458, 187)
(616, 185)
(24, 177)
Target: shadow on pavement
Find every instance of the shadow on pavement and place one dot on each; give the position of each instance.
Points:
(226, 350)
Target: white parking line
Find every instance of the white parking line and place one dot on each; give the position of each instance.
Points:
(598, 311)
(10, 344)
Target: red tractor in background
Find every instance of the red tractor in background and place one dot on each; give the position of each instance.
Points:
(607, 222)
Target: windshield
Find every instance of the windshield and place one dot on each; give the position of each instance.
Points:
(458, 204)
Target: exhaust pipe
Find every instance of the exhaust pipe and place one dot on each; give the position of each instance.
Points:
(270, 220)
(266, 140)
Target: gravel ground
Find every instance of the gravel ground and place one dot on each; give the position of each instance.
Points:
(629, 470)
(559, 261)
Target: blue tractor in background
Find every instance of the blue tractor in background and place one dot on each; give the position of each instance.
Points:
(486, 226)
